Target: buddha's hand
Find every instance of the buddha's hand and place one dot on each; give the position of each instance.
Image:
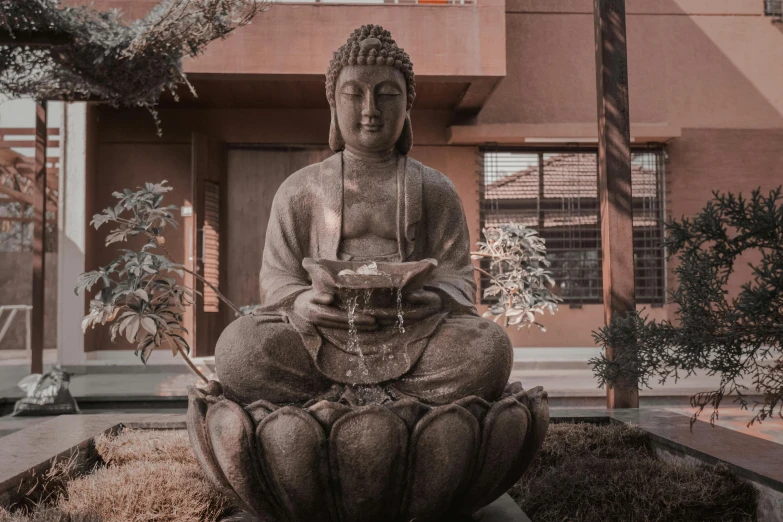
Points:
(424, 304)
(316, 307)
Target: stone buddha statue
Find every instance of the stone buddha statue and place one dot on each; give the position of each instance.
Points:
(370, 201)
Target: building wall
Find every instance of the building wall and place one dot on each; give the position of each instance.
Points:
(691, 63)
(702, 68)
(724, 160)
(297, 39)
(129, 154)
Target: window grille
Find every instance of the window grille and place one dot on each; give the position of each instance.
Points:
(373, 2)
(556, 193)
(773, 8)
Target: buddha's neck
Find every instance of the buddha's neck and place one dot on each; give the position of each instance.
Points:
(371, 162)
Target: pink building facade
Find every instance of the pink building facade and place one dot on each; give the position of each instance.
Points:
(506, 98)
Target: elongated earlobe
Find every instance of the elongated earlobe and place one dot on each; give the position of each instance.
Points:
(405, 141)
(336, 142)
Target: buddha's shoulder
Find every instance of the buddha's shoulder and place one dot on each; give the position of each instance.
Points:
(299, 183)
(433, 180)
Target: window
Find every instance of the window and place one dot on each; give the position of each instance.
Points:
(773, 8)
(556, 193)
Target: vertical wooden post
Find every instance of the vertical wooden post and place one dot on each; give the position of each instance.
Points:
(39, 236)
(614, 177)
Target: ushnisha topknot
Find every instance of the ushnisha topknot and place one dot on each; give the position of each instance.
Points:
(370, 45)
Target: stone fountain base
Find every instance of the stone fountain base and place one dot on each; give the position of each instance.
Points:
(394, 462)
(504, 509)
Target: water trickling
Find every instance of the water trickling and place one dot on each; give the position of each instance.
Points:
(353, 333)
(400, 319)
(356, 299)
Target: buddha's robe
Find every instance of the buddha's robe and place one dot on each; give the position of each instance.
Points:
(278, 356)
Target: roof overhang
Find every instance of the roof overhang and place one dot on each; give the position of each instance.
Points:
(552, 133)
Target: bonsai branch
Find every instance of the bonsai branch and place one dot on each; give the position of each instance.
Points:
(188, 360)
(197, 276)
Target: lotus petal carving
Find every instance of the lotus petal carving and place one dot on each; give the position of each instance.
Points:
(396, 462)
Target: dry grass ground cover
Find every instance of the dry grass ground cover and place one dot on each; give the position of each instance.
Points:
(592, 473)
(148, 476)
(585, 473)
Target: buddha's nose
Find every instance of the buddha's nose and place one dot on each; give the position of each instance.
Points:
(370, 110)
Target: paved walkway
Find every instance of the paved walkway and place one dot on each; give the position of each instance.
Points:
(571, 386)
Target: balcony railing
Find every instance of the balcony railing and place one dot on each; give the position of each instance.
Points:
(773, 8)
(378, 2)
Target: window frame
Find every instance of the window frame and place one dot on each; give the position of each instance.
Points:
(656, 292)
(773, 8)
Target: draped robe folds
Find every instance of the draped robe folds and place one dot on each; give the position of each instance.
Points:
(306, 221)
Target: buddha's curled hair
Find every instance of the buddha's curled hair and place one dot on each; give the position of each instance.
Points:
(370, 45)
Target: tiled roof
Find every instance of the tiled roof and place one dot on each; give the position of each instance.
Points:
(566, 176)
(563, 220)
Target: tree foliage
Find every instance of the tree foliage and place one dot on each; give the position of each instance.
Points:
(518, 275)
(137, 292)
(736, 337)
(96, 56)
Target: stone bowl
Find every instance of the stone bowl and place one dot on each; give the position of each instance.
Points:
(325, 274)
(395, 462)
(373, 291)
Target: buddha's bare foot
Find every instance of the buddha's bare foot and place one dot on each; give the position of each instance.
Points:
(361, 395)
(333, 394)
(396, 394)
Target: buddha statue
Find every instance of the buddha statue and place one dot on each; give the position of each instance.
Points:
(370, 201)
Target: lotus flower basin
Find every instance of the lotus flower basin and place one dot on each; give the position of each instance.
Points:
(395, 462)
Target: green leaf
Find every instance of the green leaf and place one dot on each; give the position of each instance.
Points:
(145, 348)
(132, 329)
(149, 324)
(86, 281)
(116, 236)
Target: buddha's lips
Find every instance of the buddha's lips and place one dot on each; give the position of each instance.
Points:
(372, 127)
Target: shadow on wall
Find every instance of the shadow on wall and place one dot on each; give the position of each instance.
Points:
(687, 70)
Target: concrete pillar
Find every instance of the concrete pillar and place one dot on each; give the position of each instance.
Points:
(72, 208)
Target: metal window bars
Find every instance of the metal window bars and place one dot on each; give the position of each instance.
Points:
(373, 2)
(555, 191)
(773, 8)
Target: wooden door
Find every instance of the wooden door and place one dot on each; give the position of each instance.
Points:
(254, 174)
(206, 234)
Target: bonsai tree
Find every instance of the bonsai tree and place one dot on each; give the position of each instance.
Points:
(137, 292)
(737, 337)
(518, 275)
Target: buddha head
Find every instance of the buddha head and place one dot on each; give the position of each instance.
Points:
(370, 87)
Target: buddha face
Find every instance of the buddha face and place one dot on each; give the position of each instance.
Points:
(370, 102)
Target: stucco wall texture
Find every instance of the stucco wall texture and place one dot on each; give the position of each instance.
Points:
(703, 67)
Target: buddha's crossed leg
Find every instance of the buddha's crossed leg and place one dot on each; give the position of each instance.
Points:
(467, 355)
